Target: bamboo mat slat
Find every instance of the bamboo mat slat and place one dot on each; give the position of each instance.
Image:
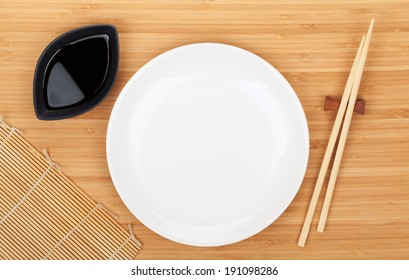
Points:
(44, 215)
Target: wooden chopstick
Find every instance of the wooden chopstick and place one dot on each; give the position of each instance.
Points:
(331, 144)
(330, 148)
(344, 132)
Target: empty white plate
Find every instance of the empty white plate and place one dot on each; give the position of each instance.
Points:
(207, 144)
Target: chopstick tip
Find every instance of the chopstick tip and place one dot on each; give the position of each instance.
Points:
(301, 242)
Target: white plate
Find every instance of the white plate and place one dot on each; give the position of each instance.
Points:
(207, 144)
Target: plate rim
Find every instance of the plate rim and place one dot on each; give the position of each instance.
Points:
(262, 226)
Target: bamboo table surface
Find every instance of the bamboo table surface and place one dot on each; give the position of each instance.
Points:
(312, 43)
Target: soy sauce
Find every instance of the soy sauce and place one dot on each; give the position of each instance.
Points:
(77, 71)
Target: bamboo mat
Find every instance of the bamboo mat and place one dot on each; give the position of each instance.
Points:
(44, 215)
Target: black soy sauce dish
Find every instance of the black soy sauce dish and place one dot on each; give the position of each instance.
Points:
(76, 72)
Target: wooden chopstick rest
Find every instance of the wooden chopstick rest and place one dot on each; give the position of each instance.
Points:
(332, 103)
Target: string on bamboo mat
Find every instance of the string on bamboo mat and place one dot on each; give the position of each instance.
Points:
(130, 237)
(44, 215)
(71, 231)
(51, 164)
(12, 130)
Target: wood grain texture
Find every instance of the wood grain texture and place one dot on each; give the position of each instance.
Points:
(312, 43)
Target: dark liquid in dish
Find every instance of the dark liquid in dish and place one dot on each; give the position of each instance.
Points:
(77, 71)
